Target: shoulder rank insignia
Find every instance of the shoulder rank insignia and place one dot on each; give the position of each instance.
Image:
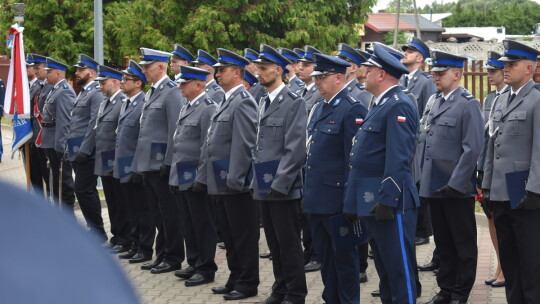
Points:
(171, 84)
(336, 102)
(65, 86)
(215, 87)
(537, 86)
(467, 95)
(293, 94)
(244, 94)
(208, 101)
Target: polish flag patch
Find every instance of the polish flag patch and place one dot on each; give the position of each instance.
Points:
(401, 119)
(359, 121)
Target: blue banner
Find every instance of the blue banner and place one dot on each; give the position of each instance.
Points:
(22, 132)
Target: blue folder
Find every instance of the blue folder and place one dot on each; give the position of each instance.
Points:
(74, 144)
(187, 171)
(345, 235)
(221, 170)
(157, 151)
(515, 184)
(441, 171)
(124, 166)
(107, 161)
(367, 194)
(265, 173)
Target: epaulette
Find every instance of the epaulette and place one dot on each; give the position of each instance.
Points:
(351, 99)
(96, 86)
(215, 87)
(293, 95)
(537, 86)
(172, 84)
(244, 94)
(360, 86)
(65, 86)
(208, 101)
(427, 75)
(405, 90)
(467, 95)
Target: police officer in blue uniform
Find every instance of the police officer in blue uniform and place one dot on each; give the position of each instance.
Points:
(134, 207)
(454, 136)
(153, 159)
(206, 62)
(333, 124)
(513, 149)
(105, 128)
(383, 194)
(56, 118)
(355, 58)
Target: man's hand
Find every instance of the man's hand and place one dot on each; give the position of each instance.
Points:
(351, 218)
(276, 194)
(136, 178)
(448, 191)
(81, 157)
(531, 201)
(382, 212)
(198, 187)
(164, 171)
(486, 203)
(231, 190)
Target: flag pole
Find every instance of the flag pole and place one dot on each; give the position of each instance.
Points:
(27, 165)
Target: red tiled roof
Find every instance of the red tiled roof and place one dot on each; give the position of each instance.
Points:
(385, 22)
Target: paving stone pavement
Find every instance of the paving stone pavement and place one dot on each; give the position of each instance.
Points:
(166, 288)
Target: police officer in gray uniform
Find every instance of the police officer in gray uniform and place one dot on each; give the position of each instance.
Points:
(105, 134)
(278, 159)
(179, 56)
(355, 58)
(257, 90)
(307, 64)
(454, 140)
(56, 117)
(206, 61)
(249, 80)
(82, 142)
(231, 138)
(188, 182)
(294, 84)
(512, 151)
(153, 159)
(132, 203)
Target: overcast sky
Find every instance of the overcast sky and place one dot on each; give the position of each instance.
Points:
(382, 4)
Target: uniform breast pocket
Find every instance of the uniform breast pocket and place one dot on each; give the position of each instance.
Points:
(81, 107)
(223, 125)
(368, 134)
(156, 111)
(274, 127)
(446, 128)
(190, 129)
(330, 129)
(516, 124)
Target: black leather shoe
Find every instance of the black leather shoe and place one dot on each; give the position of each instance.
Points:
(221, 290)
(428, 267)
(498, 284)
(490, 281)
(457, 302)
(150, 265)
(127, 255)
(164, 267)
(235, 295)
(363, 277)
(312, 266)
(436, 271)
(198, 279)
(287, 302)
(271, 300)
(221, 245)
(120, 248)
(266, 255)
(370, 254)
(139, 258)
(438, 299)
(185, 273)
(421, 241)
(376, 293)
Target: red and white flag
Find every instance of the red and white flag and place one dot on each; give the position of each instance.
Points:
(401, 119)
(359, 121)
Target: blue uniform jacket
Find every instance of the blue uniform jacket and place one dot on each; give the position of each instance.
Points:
(330, 133)
(384, 147)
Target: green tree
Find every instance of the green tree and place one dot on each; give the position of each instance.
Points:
(388, 38)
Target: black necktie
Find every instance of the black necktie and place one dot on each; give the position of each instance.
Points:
(267, 103)
(406, 82)
(511, 99)
(152, 89)
(441, 102)
(304, 92)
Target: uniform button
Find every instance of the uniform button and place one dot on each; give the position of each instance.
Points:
(500, 133)
(369, 128)
(430, 134)
(351, 154)
(396, 199)
(427, 146)
(315, 129)
(356, 140)
(427, 158)
(309, 154)
(337, 184)
(329, 130)
(260, 148)
(262, 136)
(350, 167)
(498, 157)
(498, 145)
(309, 167)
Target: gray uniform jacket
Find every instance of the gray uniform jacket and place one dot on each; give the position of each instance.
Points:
(514, 147)
(296, 85)
(421, 86)
(189, 138)
(127, 135)
(282, 136)
(258, 92)
(421, 139)
(488, 101)
(358, 91)
(83, 118)
(455, 132)
(106, 124)
(312, 97)
(232, 135)
(214, 92)
(158, 122)
(57, 109)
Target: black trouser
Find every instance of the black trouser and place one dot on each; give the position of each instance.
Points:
(39, 173)
(199, 220)
(423, 224)
(68, 198)
(519, 250)
(281, 227)
(309, 252)
(141, 223)
(363, 255)
(170, 239)
(120, 226)
(88, 197)
(454, 229)
(238, 221)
